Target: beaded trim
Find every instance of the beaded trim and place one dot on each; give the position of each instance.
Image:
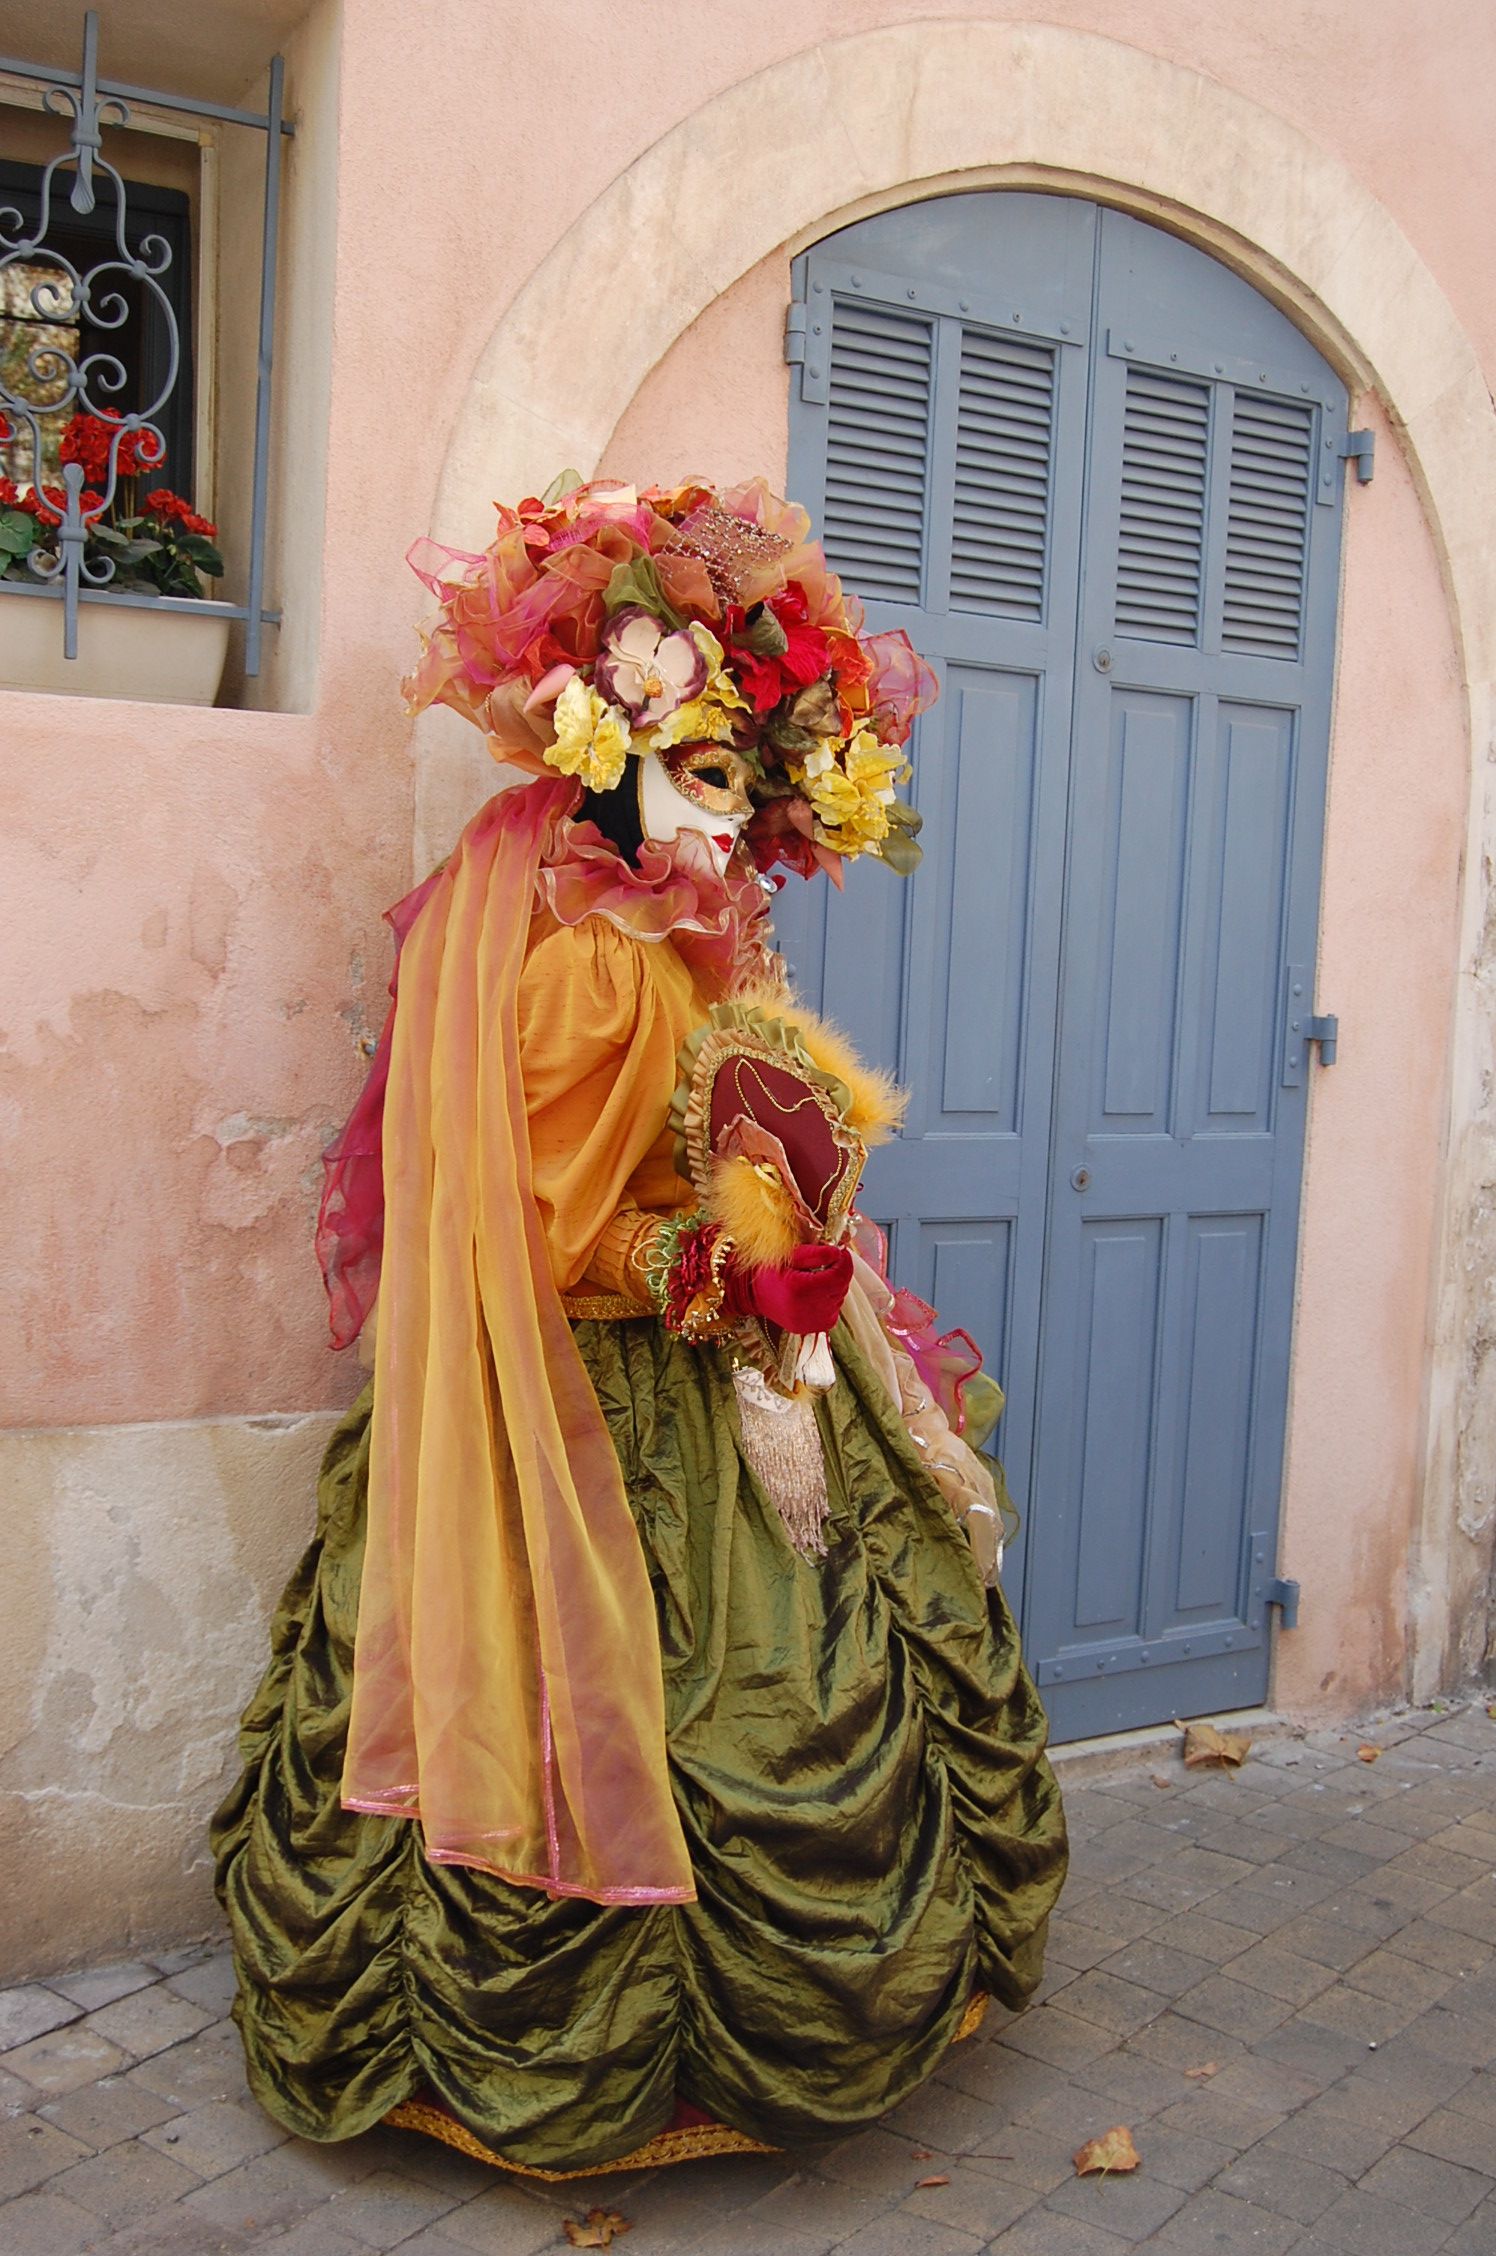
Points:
(603, 1308)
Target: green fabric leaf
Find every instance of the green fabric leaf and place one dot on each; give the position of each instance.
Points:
(762, 633)
(639, 582)
(902, 853)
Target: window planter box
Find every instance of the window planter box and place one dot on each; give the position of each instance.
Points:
(136, 650)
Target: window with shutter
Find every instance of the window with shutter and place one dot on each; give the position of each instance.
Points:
(1161, 542)
(877, 449)
(1004, 447)
(1267, 525)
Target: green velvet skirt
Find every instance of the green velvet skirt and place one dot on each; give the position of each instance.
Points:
(857, 1757)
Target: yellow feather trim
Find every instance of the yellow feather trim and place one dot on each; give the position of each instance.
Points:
(756, 1212)
(877, 1100)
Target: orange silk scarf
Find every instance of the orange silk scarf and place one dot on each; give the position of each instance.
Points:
(507, 1684)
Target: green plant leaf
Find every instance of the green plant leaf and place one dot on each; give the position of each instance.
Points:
(19, 533)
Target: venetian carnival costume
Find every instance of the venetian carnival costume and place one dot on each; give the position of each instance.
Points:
(645, 1765)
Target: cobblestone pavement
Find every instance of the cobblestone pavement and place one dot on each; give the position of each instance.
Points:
(1283, 1980)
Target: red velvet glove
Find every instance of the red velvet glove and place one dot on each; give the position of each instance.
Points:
(804, 1296)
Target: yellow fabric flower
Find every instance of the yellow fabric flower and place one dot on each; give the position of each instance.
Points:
(850, 786)
(592, 737)
(708, 717)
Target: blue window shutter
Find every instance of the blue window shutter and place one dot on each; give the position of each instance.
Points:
(1161, 537)
(1267, 526)
(878, 448)
(1004, 461)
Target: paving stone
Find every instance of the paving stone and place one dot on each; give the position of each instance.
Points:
(316, 2236)
(1112, 2003)
(173, 1961)
(1457, 2035)
(1326, 1941)
(215, 2138)
(1288, 2184)
(1423, 2182)
(1477, 2097)
(1321, 2055)
(104, 2113)
(208, 1983)
(973, 2202)
(1156, 1966)
(125, 2183)
(101, 1985)
(1005, 2080)
(502, 2222)
(1042, 2233)
(1334, 2141)
(278, 2188)
(1456, 2138)
(43, 2224)
(1281, 1973)
(1134, 2206)
(1371, 2225)
(1081, 1946)
(936, 2114)
(1203, 1935)
(1183, 2044)
(1224, 2121)
(1233, 2008)
(382, 2209)
(1215, 2224)
(1036, 2162)
(1477, 2235)
(168, 2232)
(1132, 2083)
(30, 2011)
(1354, 2013)
(1388, 1973)
(206, 2067)
(148, 2021)
(65, 2058)
(1184, 2161)
(32, 2151)
(1052, 2034)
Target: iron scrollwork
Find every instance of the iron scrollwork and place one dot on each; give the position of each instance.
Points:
(68, 296)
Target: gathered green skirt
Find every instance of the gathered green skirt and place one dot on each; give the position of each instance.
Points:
(857, 1759)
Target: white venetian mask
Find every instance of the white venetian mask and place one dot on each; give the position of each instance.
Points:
(701, 787)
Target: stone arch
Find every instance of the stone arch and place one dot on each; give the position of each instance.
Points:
(911, 110)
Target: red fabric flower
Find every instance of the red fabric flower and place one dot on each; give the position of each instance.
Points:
(807, 655)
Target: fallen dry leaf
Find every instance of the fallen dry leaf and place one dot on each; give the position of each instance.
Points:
(1203, 1744)
(1367, 1754)
(598, 2229)
(923, 2154)
(929, 2182)
(1114, 2150)
(1206, 2068)
(1159, 1780)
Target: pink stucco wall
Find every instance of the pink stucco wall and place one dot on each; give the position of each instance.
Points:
(193, 897)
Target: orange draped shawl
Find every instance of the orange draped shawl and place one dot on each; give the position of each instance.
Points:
(507, 1682)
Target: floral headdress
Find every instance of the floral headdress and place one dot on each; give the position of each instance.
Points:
(605, 622)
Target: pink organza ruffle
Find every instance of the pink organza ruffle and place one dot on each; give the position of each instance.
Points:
(946, 1361)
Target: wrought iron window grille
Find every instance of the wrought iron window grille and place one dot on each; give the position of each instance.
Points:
(91, 381)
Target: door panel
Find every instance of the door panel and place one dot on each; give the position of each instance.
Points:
(1094, 475)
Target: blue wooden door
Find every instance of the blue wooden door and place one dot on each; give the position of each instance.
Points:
(1095, 475)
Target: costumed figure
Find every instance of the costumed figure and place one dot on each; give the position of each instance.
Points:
(645, 1766)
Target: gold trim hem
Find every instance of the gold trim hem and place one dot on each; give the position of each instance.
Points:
(696, 2142)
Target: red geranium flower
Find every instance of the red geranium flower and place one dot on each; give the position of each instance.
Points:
(87, 441)
(806, 657)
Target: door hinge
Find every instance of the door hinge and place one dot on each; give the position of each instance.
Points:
(1301, 1027)
(1360, 447)
(805, 348)
(1285, 1596)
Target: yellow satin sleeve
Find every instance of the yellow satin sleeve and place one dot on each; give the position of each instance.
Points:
(601, 1019)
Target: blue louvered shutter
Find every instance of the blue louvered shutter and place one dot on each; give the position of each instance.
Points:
(878, 449)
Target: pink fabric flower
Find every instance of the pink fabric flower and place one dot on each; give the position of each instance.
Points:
(645, 670)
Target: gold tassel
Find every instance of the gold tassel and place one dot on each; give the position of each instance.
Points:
(782, 1444)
